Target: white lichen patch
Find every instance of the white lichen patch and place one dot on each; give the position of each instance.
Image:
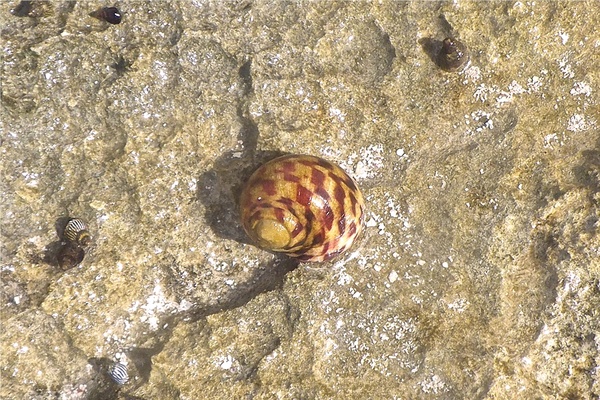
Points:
(364, 164)
(458, 305)
(225, 362)
(566, 68)
(337, 114)
(514, 88)
(481, 92)
(218, 264)
(362, 335)
(564, 37)
(397, 212)
(118, 331)
(581, 88)
(343, 278)
(433, 384)
(481, 119)
(534, 84)
(551, 141)
(578, 123)
(156, 305)
(472, 73)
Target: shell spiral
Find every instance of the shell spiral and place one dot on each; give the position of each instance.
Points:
(76, 231)
(302, 205)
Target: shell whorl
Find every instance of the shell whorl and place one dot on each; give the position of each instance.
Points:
(302, 205)
(118, 373)
(76, 231)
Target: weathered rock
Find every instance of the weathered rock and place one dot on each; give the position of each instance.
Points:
(478, 272)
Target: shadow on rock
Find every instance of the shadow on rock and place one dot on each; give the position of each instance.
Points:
(266, 278)
(53, 249)
(587, 173)
(219, 189)
(432, 48)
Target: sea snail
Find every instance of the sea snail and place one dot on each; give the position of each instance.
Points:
(112, 15)
(76, 231)
(118, 373)
(303, 206)
(453, 55)
(70, 255)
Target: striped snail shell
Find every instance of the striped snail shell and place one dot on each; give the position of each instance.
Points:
(303, 206)
(118, 373)
(76, 231)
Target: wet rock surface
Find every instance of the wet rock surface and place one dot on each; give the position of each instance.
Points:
(477, 274)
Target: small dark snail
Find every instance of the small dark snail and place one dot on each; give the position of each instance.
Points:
(76, 231)
(70, 255)
(112, 15)
(453, 56)
(302, 205)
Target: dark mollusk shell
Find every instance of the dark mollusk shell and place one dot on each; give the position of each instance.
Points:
(112, 15)
(453, 56)
(70, 255)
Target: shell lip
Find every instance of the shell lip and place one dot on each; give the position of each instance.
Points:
(271, 234)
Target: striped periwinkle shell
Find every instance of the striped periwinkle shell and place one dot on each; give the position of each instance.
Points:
(118, 373)
(303, 206)
(76, 231)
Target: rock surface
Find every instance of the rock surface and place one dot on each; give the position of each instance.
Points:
(477, 276)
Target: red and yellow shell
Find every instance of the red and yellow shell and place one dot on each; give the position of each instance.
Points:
(303, 206)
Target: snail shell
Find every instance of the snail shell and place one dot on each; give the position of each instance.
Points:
(112, 15)
(76, 231)
(302, 205)
(70, 255)
(453, 56)
(118, 373)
